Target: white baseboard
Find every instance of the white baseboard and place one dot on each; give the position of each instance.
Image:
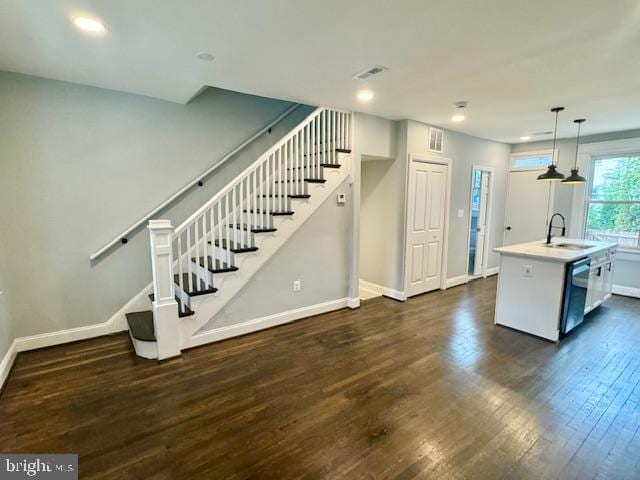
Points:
(7, 362)
(492, 271)
(380, 290)
(455, 281)
(117, 323)
(626, 291)
(353, 302)
(269, 321)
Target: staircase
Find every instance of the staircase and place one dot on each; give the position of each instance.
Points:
(204, 262)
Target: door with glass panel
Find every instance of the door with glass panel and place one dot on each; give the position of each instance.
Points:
(478, 222)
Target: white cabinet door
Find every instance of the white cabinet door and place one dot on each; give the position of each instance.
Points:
(591, 290)
(608, 276)
(425, 226)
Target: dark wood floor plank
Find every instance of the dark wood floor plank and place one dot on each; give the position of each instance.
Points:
(429, 388)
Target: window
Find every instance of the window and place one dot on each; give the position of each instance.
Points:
(531, 161)
(613, 204)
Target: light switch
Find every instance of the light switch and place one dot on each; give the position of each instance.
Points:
(460, 213)
(342, 199)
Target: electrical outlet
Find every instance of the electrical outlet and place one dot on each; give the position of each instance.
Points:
(341, 199)
(460, 213)
(528, 271)
(297, 285)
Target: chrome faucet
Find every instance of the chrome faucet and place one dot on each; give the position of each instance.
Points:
(564, 227)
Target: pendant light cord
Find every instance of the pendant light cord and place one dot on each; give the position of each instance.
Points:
(555, 131)
(575, 163)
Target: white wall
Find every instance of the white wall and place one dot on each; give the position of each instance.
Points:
(79, 164)
(627, 273)
(376, 145)
(376, 137)
(383, 200)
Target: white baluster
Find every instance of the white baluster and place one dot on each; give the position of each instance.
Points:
(180, 260)
(212, 237)
(235, 219)
(262, 200)
(334, 136)
(220, 235)
(189, 254)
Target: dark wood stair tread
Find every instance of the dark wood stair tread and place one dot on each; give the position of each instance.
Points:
(274, 213)
(325, 165)
(235, 248)
(256, 229)
(215, 265)
(187, 311)
(299, 195)
(308, 180)
(343, 150)
(141, 325)
(199, 285)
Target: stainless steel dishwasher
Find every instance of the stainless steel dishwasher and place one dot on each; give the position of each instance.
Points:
(575, 295)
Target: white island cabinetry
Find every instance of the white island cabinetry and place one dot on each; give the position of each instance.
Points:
(532, 277)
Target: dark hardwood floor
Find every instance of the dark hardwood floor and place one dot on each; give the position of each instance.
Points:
(425, 389)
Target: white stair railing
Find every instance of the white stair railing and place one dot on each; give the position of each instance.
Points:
(223, 226)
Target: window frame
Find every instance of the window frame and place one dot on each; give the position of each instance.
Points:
(589, 191)
(532, 153)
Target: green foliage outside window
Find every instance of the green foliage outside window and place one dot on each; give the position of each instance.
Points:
(615, 180)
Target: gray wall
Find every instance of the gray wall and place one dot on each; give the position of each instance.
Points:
(6, 329)
(79, 164)
(317, 254)
(383, 193)
(627, 273)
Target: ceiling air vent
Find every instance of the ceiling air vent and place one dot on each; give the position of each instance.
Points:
(537, 134)
(370, 72)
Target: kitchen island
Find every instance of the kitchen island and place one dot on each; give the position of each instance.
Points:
(543, 288)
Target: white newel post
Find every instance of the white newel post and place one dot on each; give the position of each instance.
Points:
(165, 307)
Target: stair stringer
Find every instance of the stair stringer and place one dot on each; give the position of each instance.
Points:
(229, 284)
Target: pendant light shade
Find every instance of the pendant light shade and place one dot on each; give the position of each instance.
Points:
(574, 177)
(552, 172)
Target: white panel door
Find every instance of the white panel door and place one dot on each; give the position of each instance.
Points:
(425, 229)
(482, 223)
(527, 207)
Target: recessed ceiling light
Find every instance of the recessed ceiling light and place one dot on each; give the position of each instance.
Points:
(89, 24)
(458, 117)
(525, 137)
(207, 57)
(365, 95)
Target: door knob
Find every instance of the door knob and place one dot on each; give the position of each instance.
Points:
(508, 228)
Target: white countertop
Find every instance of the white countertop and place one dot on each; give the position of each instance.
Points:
(539, 249)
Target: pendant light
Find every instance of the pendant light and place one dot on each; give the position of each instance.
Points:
(574, 177)
(552, 172)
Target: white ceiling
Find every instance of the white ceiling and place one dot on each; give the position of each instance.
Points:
(511, 59)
